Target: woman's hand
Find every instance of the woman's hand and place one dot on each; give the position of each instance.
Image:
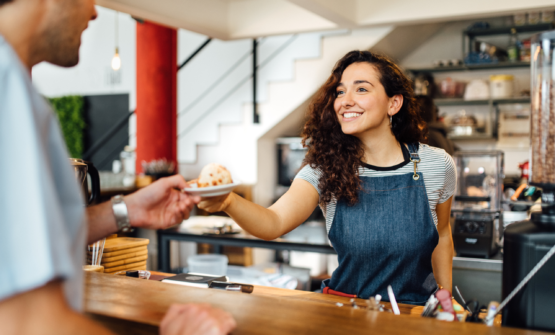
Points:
(216, 204)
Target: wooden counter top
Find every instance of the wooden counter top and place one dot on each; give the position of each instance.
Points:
(136, 306)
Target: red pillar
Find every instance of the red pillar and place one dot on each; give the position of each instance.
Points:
(156, 93)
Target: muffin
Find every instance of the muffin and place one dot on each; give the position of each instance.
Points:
(214, 175)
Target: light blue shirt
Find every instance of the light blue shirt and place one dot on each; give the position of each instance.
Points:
(42, 222)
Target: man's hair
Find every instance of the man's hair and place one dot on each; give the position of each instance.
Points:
(2, 2)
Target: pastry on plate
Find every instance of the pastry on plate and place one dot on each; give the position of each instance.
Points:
(214, 175)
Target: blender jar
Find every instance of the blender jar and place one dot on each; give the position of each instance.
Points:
(542, 130)
(542, 110)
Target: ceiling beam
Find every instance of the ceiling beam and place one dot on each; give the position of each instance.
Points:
(206, 17)
(255, 18)
(341, 12)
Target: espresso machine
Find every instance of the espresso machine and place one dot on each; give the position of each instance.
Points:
(477, 203)
(82, 169)
(527, 242)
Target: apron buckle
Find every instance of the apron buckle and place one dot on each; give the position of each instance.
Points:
(415, 161)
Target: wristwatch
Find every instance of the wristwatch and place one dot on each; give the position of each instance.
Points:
(120, 212)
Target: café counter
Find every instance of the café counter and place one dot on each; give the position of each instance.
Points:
(137, 306)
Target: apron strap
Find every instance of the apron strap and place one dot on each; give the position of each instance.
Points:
(415, 158)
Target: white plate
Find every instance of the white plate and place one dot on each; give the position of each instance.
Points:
(212, 191)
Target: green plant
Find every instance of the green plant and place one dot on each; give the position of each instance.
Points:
(69, 110)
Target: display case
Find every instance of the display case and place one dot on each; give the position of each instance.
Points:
(477, 203)
(479, 181)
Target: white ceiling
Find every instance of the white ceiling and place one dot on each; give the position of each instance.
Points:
(233, 19)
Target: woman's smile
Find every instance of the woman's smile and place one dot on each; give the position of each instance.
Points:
(351, 116)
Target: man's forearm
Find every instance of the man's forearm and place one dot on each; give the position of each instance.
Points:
(101, 222)
(44, 311)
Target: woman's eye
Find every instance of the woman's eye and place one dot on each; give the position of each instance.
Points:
(362, 89)
(339, 93)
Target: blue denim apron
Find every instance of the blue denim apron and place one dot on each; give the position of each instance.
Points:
(386, 238)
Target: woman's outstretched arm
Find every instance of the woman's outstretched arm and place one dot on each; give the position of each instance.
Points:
(292, 209)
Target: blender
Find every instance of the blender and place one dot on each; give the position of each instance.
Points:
(82, 169)
(530, 242)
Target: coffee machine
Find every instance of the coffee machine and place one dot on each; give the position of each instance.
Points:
(477, 203)
(527, 242)
(82, 169)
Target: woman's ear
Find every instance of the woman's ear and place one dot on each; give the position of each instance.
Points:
(395, 104)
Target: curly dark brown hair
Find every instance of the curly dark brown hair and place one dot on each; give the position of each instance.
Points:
(4, 2)
(338, 155)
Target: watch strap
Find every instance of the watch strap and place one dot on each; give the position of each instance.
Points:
(120, 213)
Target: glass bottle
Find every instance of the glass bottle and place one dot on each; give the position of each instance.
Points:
(512, 50)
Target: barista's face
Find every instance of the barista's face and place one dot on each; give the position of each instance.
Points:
(64, 22)
(361, 104)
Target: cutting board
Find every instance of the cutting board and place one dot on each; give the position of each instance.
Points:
(105, 259)
(121, 252)
(132, 266)
(125, 261)
(121, 243)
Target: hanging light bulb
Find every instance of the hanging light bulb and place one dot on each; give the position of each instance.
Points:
(116, 61)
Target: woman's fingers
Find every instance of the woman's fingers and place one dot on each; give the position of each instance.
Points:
(213, 204)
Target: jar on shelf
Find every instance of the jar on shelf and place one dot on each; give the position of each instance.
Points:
(501, 86)
(547, 16)
(533, 17)
(519, 19)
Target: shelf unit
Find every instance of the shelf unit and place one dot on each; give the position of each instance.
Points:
(469, 36)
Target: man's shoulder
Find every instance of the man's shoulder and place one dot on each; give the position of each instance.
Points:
(8, 58)
(13, 75)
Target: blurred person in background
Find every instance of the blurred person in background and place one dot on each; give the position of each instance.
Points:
(437, 134)
(44, 226)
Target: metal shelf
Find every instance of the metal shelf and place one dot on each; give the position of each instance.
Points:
(473, 67)
(531, 28)
(462, 102)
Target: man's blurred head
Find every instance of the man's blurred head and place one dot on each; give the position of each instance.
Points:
(64, 24)
(57, 34)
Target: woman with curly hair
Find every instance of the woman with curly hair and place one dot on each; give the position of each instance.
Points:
(385, 196)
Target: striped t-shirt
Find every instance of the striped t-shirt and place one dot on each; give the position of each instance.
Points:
(437, 167)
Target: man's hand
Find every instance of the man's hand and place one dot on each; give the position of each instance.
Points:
(193, 319)
(161, 204)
